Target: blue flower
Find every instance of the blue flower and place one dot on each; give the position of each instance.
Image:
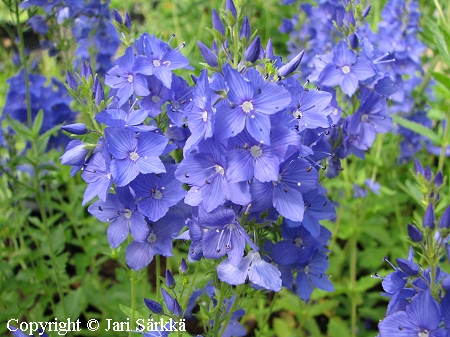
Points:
(224, 235)
(124, 79)
(134, 153)
(157, 96)
(253, 267)
(159, 241)
(156, 193)
(312, 274)
(346, 70)
(422, 318)
(251, 101)
(206, 171)
(97, 173)
(120, 209)
(159, 60)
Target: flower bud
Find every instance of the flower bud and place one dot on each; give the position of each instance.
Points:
(128, 20)
(99, 93)
(245, 29)
(269, 50)
(409, 267)
(170, 281)
(366, 11)
(252, 52)
(153, 306)
(172, 304)
(231, 8)
(208, 55)
(428, 218)
(118, 17)
(183, 267)
(86, 71)
(291, 66)
(444, 221)
(438, 179)
(354, 41)
(414, 233)
(427, 174)
(217, 23)
(76, 129)
(71, 82)
(418, 168)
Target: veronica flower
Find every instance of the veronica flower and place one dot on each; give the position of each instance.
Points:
(370, 118)
(200, 117)
(159, 60)
(120, 210)
(134, 153)
(156, 193)
(206, 171)
(422, 318)
(249, 158)
(179, 97)
(346, 70)
(224, 235)
(118, 118)
(296, 176)
(157, 96)
(124, 79)
(252, 100)
(298, 246)
(159, 241)
(312, 274)
(308, 108)
(97, 174)
(253, 267)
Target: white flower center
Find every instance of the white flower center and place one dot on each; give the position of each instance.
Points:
(345, 69)
(156, 63)
(423, 333)
(256, 151)
(205, 115)
(157, 194)
(247, 106)
(219, 169)
(127, 213)
(365, 118)
(298, 242)
(134, 156)
(306, 270)
(152, 238)
(155, 99)
(297, 114)
(130, 78)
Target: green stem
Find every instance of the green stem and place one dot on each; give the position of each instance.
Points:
(353, 267)
(158, 274)
(218, 312)
(268, 313)
(133, 298)
(444, 145)
(24, 63)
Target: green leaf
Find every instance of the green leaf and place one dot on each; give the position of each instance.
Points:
(417, 128)
(441, 78)
(338, 328)
(126, 310)
(37, 123)
(19, 128)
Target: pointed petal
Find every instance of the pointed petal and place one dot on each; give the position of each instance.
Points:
(139, 254)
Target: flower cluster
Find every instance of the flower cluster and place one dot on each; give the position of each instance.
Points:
(90, 26)
(419, 294)
(53, 99)
(251, 139)
(350, 57)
